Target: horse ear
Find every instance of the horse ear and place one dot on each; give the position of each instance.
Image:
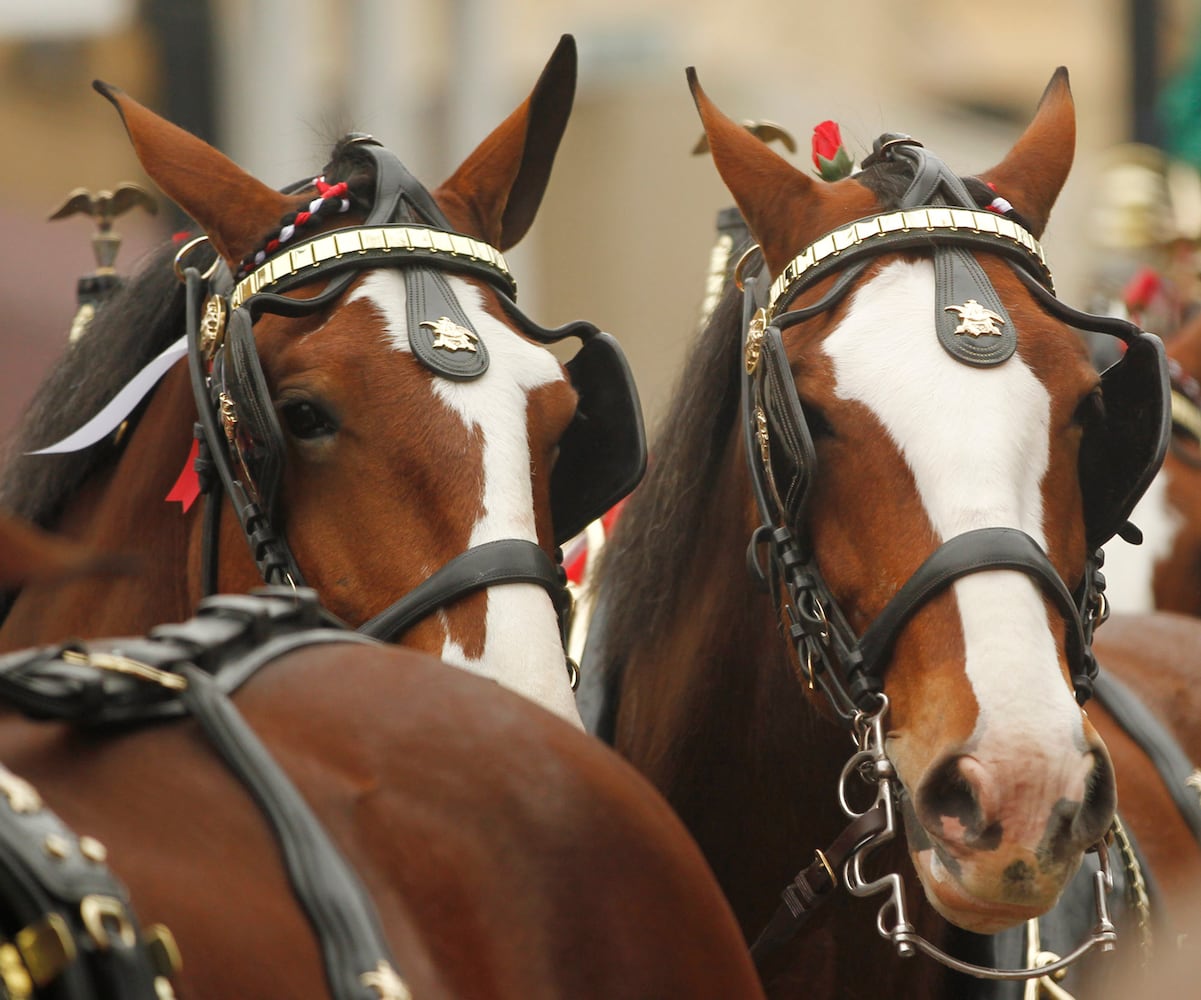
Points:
(233, 208)
(775, 198)
(497, 190)
(1033, 173)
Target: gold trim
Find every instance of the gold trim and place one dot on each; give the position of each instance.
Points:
(826, 865)
(46, 948)
(1138, 889)
(17, 983)
(378, 239)
(22, 797)
(386, 982)
(923, 219)
(124, 665)
(93, 850)
(754, 340)
(106, 919)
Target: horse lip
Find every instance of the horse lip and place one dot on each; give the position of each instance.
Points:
(952, 899)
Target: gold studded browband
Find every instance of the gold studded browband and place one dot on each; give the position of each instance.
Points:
(374, 244)
(906, 229)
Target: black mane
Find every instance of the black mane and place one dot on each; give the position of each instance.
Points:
(137, 323)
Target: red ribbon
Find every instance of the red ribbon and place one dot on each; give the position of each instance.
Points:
(187, 486)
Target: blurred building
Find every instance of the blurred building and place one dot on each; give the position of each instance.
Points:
(624, 233)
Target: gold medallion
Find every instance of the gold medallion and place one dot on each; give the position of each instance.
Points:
(449, 336)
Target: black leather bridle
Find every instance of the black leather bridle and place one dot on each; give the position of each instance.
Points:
(937, 214)
(240, 439)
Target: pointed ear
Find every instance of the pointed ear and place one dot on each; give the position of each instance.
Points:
(785, 208)
(1033, 173)
(497, 190)
(233, 208)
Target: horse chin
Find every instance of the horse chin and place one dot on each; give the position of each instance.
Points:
(955, 901)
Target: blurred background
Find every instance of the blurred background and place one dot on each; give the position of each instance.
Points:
(624, 233)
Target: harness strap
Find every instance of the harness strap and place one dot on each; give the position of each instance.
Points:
(814, 884)
(333, 897)
(507, 560)
(1157, 743)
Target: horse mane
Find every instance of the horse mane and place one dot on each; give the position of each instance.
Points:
(141, 318)
(643, 569)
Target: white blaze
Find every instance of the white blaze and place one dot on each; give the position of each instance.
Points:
(522, 648)
(977, 443)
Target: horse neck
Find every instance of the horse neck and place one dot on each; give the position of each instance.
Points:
(122, 508)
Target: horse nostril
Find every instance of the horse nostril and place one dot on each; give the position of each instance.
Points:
(1100, 800)
(948, 804)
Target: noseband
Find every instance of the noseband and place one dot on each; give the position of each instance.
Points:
(240, 437)
(1117, 462)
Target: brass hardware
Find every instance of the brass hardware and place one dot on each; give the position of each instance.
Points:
(14, 975)
(83, 319)
(163, 989)
(212, 325)
(715, 281)
(923, 219)
(1138, 890)
(93, 850)
(124, 665)
(762, 438)
(57, 846)
(377, 240)
(826, 865)
(1042, 987)
(742, 262)
(763, 130)
(181, 256)
(46, 947)
(22, 797)
(386, 983)
(229, 416)
(754, 340)
(976, 320)
(449, 336)
(162, 950)
(105, 919)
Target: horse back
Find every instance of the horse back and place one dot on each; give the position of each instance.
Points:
(507, 853)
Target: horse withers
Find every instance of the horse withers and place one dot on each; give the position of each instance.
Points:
(377, 419)
(901, 418)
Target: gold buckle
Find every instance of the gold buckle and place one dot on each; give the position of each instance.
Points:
(46, 947)
(102, 914)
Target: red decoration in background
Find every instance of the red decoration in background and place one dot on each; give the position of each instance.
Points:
(187, 486)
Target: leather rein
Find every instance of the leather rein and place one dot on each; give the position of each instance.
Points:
(404, 228)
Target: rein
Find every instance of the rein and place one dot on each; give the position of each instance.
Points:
(404, 229)
(937, 214)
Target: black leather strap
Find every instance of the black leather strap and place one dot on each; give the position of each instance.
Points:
(982, 550)
(508, 560)
(327, 887)
(1156, 742)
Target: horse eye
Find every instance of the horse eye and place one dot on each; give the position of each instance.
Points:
(307, 421)
(819, 425)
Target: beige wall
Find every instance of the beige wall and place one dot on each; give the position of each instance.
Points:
(625, 230)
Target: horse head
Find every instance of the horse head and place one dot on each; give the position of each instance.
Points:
(390, 429)
(936, 462)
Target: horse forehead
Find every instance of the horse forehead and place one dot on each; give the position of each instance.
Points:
(516, 366)
(986, 430)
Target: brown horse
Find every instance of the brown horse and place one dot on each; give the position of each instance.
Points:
(506, 854)
(376, 416)
(924, 459)
(1164, 572)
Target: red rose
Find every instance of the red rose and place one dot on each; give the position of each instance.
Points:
(829, 156)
